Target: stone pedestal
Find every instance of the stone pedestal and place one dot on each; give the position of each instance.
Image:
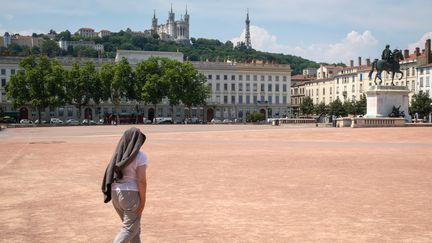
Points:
(381, 99)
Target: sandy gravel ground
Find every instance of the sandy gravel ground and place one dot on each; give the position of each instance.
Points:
(223, 183)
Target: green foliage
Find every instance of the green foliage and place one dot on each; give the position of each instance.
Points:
(38, 84)
(337, 108)
(321, 108)
(307, 107)
(50, 48)
(421, 104)
(360, 105)
(255, 117)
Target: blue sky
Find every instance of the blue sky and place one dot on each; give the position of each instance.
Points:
(330, 31)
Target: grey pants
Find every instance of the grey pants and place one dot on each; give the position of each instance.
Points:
(126, 203)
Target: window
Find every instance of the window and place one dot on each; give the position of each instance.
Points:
(225, 99)
(262, 77)
(217, 77)
(284, 88)
(225, 77)
(247, 77)
(3, 71)
(61, 111)
(240, 87)
(255, 99)
(3, 82)
(232, 87)
(262, 98)
(353, 88)
(277, 78)
(427, 82)
(240, 99)
(247, 87)
(233, 77)
(323, 91)
(255, 78)
(277, 87)
(209, 77)
(262, 87)
(247, 99)
(255, 87)
(269, 87)
(218, 87)
(240, 77)
(210, 86)
(232, 99)
(69, 111)
(225, 87)
(421, 82)
(270, 99)
(277, 100)
(12, 71)
(270, 78)
(284, 99)
(331, 91)
(284, 78)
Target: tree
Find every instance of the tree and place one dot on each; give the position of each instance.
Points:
(194, 90)
(307, 106)
(421, 104)
(81, 85)
(337, 108)
(349, 107)
(156, 85)
(40, 84)
(122, 86)
(360, 105)
(50, 48)
(321, 108)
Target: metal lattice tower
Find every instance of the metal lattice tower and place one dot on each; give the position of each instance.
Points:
(247, 36)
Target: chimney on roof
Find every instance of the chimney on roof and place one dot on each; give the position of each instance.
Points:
(352, 63)
(406, 53)
(368, 62)
(417, 51)
(359, 61)
(428, 51)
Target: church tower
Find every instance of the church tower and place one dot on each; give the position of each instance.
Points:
(154, 23)
(186, 20)
(171, 24)
(247, 36)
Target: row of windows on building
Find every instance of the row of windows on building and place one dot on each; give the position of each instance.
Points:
(251, 99)
(3, 71)
(248, 87)
(247, 77)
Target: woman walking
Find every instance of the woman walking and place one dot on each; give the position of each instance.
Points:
(125, 182)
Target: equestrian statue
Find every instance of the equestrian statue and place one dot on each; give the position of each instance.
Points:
(389, 62)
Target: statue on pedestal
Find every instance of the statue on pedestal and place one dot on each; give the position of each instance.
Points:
(389, 62)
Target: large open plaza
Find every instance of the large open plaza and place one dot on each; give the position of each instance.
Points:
(223, 183)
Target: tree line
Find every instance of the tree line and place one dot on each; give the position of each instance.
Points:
(43, 83)
(421, 104)
(200, 49)
(336, 107)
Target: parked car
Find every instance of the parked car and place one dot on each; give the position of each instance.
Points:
(163, 120)
(215, 121)
(72, 122)
(88, 122)
(26, 121)
(7, 119)
(41, 122)
(56, 121)
(227, 121)
(101, 122)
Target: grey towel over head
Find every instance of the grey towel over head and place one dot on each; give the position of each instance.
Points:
(126, 151)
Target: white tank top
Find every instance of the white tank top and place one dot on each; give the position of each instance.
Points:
(129, 181)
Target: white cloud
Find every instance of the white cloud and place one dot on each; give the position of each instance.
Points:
(8, 17)
(420, 43)
(355, 44)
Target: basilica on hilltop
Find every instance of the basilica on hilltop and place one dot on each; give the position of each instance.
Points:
(175, 30)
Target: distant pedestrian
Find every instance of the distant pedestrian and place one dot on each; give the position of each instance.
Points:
(125, 181)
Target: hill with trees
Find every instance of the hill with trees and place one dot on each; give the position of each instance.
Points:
(200, 49)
